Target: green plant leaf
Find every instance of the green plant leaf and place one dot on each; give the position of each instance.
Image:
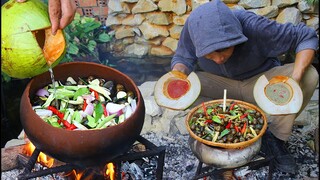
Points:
(91, 26)
(104, 37)
(92, 45)
(73, 49)
(82, 36)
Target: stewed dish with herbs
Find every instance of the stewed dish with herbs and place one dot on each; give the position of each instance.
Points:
(238, 123)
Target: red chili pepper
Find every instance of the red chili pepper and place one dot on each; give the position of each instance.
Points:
(232, 106)
(105, 112)
(56, 111)
(236, 128)
(61, 120)
(96, 94)
(244, 115)
(208, 121)
(71, 127)
(228, 125)
(244, 128)
(84, 105)
(65, 123)
(221, 116)
(204, 109)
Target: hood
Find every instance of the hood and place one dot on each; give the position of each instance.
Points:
(213, 26)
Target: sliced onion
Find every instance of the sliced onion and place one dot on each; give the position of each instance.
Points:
(114, 108)
(133, 104)
(88, 97)
(128, 112)
(89, 109)
(42, 93)
(36, 107)
(43, 112)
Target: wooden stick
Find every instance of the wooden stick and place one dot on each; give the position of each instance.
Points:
(9, 157)
(224, 99)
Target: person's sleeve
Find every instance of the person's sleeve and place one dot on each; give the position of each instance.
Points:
(185, 52)
(279, 38)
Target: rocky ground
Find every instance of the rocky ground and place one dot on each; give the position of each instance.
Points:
(181, 164)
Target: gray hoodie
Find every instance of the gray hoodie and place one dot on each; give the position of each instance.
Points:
(258, 41)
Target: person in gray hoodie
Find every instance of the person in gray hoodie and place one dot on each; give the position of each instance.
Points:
(233, 48)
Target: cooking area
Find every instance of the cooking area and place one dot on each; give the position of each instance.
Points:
(118, 98)
(166, 129)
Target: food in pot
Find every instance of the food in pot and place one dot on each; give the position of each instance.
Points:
(88, 103)
(237, 124)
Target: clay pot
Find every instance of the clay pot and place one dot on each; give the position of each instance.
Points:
(224, 158)
(81, 147)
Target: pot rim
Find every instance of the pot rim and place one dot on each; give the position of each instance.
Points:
(239, 145)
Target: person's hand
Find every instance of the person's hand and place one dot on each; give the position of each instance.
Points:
(61, 13)
(181, 68)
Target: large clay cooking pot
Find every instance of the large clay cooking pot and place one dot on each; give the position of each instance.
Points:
(81, 147)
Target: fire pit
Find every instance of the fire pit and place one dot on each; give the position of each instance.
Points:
(81, 147)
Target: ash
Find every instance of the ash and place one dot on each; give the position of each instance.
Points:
(181, 164)
(13, 174)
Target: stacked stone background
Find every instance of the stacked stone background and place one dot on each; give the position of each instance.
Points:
(152, 27)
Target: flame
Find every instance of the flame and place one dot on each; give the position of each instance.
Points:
(110, 171)
(48, 162)
(42, 158)
(75, 174)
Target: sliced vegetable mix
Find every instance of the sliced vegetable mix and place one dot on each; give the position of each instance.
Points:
(237, 124)
(89, 103)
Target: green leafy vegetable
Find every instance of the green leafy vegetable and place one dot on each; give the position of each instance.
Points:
(98, 110)
(80, 92)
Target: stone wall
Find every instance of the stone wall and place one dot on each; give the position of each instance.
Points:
(152, 27)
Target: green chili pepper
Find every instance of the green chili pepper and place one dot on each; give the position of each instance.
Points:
(233, 112)
(224, 132)
(250, 118)
(216, 119)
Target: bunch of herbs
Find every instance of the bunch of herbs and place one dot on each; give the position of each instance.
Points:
(82, 36)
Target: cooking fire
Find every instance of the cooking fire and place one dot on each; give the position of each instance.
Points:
(143, 160)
